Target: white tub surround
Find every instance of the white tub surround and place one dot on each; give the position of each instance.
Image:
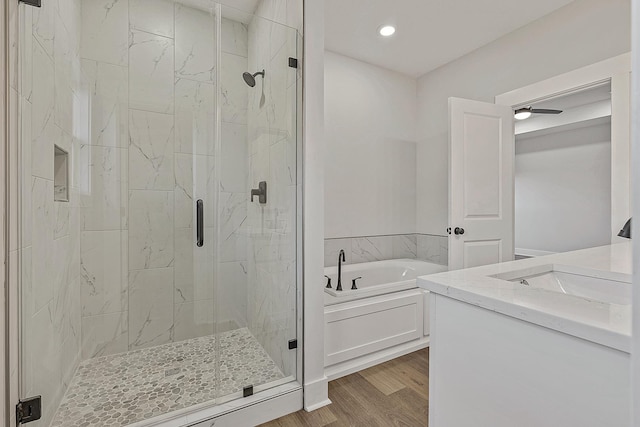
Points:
(386, 317)
(508, 351)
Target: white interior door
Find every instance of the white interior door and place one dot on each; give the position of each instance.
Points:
(481, 183)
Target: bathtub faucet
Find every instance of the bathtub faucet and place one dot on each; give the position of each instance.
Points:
(340, 261)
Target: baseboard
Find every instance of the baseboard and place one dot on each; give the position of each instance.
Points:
(316, 394)
(318, 405)
(351, 366)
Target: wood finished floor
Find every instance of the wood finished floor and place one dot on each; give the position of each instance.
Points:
(395, 393)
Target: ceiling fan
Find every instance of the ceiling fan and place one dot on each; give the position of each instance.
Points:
(526, 112)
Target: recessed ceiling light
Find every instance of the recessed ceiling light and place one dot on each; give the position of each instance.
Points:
(387, 30)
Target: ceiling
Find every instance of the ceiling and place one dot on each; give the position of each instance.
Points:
(430, 33)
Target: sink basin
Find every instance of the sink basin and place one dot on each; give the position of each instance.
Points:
(607, 287)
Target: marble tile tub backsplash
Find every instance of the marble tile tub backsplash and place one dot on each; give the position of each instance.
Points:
(425, 247)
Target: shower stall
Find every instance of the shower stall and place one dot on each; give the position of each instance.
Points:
(159, 204)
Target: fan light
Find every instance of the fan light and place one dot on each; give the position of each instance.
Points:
(522, 113)
(387, 30)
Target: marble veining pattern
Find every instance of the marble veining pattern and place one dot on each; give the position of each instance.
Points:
(424, 247)
(121, 389)
(195, 52)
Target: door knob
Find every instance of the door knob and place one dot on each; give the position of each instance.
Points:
(458, 231)
(448, 230)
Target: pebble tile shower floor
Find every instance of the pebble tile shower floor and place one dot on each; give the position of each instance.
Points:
(121, 389)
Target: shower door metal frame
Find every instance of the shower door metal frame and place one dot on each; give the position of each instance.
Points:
(4, 208)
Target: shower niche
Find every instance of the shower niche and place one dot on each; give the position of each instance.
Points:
(158, 277)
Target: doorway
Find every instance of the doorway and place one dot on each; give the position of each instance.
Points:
(563, 174)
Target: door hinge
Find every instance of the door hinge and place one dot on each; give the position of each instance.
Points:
(293, 62)
(293, 344)
(247, 391)
(28, 410)
(35, 3)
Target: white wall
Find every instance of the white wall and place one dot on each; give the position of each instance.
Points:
(583, 32)
(563, 190)
(370, 126)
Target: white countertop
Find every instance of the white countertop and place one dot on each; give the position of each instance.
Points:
(603, 323)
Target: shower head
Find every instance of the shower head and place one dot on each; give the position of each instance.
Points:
(250, 79)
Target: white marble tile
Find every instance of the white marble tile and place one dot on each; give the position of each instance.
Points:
(405, 246)
(152, 16)
(44, 21)
(184, 264)
(234, 158)
(194, 319)
(105, 334)
(273, 10)
(429, 248)
(82, 108)
(43, 351)
(294, 14)
(74, 238)
(183, 193)
(151, 146)
(61, 227)
(105, 31)
(61, 285)
(70, 13)
(278, 98)
(234, 91)
(42, 246)
(16, 26)
(108, 85)
(25, 53)
(150, 229)
(43, 129)
(232, 217)
(444, 250)
(195, 43)
(234, 37)
(65, 62)
(13, 183)
(332, 248)
(193, 267)
(103, 199)
(367, 249)
(232, 293)
(195, 117)
(151, 62)
(102, 288)
(195, 179)
(282, 176)
(150, 307)
(25, 171)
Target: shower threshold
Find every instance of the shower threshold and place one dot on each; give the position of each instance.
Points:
(125, 388)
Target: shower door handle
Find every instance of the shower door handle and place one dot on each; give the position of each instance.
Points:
(199, 223)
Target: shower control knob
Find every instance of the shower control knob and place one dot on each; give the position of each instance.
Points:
(458, 231)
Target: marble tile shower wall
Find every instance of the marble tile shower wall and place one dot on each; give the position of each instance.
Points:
(150, 156)
(53, 106)
(423, 247)
(271, 290)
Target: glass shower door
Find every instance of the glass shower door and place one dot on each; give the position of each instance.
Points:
(256, 274)
(151, 280)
